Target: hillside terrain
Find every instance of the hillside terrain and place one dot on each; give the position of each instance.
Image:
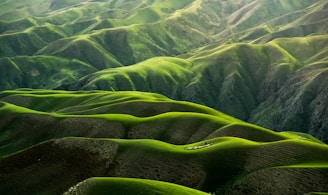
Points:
(163, 97)
(49, 136)
(243, 57)
(253, 82)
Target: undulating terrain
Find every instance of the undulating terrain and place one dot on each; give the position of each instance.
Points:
(163, 97)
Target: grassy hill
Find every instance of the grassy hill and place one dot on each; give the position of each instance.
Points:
(224, 165)
(40, 71)
(164, 75)
(241, 79)
(113, 33)
(109, 114)
(146, 81)
(129, 186)
(49, 136)
(223, 54)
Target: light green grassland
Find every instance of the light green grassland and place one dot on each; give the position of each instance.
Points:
(228, 143)
(160, 117)
(55, 100)
(151, 13)
(128, 186)
(206, 142)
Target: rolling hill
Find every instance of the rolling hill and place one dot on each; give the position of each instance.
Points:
(253, 82)
(223, 165)
(131, 186)
(49, 136)
(163, 97)
(215, 47)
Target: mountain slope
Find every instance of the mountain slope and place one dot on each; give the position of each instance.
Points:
(162, 75)
(162, 63)
(229, 58)
(40, 71)
(130, 32)
(219, 165)
(36, 143)
(242, 80)
(36, 116)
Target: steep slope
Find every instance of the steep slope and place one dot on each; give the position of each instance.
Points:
(241, 62)
(241, 76)
(110, 33)
(300, 104)
(28, 41)
(137, 37)
(103, 22)
(263, 21)
(242, 80)
(40, 71)
(102, 34)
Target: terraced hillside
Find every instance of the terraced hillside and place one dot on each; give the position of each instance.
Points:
(49, 137)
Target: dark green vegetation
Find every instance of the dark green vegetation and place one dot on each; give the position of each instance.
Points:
(249, 59)
(272, 84)
(261, 61)
(57, 139)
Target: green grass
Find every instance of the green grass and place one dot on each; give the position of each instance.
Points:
(15, 10)
(233, 78)
(277, 81)
(209, 165)
(61, 113)
(28, 41)
(301, 48)
(84, 49)
(159, 75)
(130, 186)
(154, 38)
(56, 114)
(84, 101)
(40, 71)
(151, 13)
(225, 77)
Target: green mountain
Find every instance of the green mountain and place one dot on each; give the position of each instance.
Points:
(253, 82)
(122, 97)
(223, 42)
